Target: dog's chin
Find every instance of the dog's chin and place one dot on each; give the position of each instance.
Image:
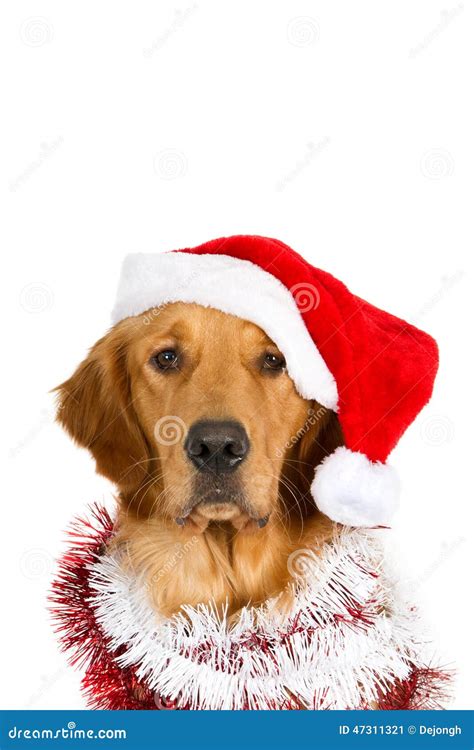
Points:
(213, 510)
(217, 501)
(217, 512)
(208, 515)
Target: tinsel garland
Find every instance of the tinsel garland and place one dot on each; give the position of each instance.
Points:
(349, 641)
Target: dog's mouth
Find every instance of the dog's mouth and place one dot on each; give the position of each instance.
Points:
(220, 503)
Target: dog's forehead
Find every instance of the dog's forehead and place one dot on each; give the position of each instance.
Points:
(181, 321)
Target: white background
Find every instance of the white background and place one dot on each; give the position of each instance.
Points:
(342, 128)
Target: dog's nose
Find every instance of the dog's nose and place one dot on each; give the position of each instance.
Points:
(217, 447)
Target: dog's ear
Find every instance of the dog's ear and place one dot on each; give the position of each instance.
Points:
(320, 436)
(95, 407)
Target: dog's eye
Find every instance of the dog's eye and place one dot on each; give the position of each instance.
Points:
(165, 360)
(273, 362)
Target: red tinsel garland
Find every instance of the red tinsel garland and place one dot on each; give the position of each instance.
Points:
(107, 685)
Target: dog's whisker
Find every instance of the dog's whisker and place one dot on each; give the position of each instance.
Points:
(144, 486)
(293, 490)
(137, 463)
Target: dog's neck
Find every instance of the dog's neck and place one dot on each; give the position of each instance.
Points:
(231, 568)
(181, 566)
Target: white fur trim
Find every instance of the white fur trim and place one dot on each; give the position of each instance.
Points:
(197, 659)
(351, 489)
(233, 286)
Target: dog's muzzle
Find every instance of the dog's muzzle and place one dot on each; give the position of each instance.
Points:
(216, 449)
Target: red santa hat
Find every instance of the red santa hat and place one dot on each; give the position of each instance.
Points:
(375, 370)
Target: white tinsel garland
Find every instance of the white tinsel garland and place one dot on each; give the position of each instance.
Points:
(347, 639)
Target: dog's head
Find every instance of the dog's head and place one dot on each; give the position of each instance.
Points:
(191, 412)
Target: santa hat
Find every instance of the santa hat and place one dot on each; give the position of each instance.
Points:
(375, 370)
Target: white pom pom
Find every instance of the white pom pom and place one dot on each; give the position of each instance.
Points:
(354, 491)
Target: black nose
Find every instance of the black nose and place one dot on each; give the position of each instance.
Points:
(218, 447)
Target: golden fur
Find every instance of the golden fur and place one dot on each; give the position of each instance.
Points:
(113, 404)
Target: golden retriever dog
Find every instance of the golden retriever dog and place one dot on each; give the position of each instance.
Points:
(191, 413)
